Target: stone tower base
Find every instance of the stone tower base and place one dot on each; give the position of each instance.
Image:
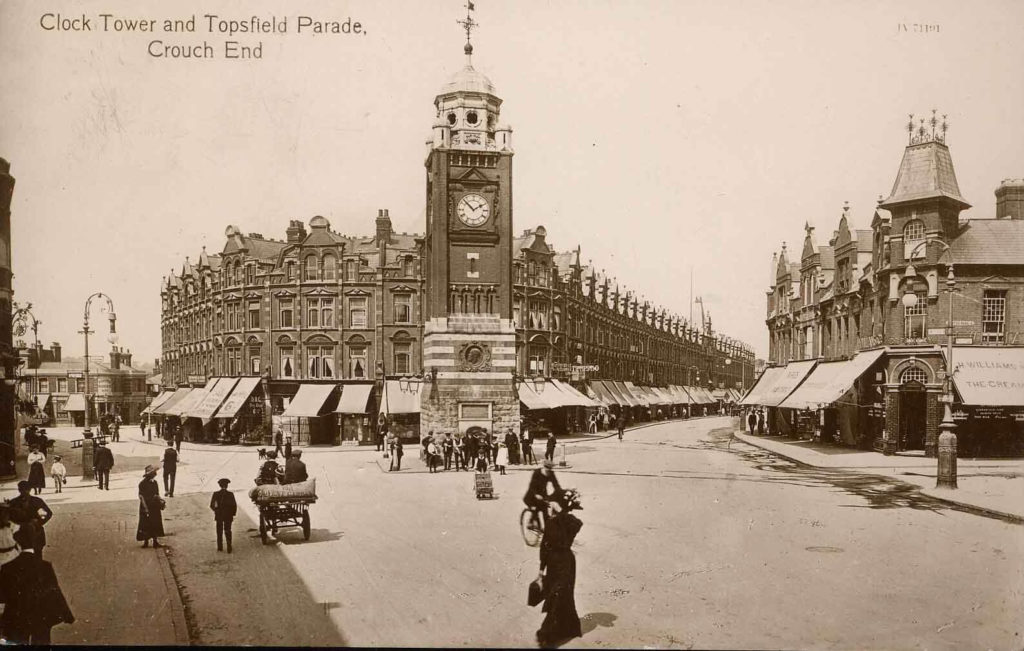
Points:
(475, 358)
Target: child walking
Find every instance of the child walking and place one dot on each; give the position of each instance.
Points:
(59, 473)
(502, 458)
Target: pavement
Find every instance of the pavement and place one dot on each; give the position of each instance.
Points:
(989, 485)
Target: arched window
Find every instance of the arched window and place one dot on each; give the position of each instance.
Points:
(310, 268)
(329, 267)
(250, 274)
(913, 236)
(914, 374)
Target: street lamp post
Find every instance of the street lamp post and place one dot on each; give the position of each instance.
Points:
(87, 446)
(947, 443)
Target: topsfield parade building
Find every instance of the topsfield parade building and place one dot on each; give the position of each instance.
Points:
(871, 333)
(470, 324)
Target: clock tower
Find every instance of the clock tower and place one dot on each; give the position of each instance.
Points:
(469, 337)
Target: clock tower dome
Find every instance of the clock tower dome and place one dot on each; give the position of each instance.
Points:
(469, 338)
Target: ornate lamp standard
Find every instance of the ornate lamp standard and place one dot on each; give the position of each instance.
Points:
(946, 474)
(87, 446)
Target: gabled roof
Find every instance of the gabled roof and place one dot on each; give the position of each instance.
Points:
(926, 172)
(990, 241)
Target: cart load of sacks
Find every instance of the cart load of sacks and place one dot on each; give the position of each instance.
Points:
(303, 491)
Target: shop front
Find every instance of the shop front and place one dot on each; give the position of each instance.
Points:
(211, 401)
(990, 414)
(243, 415)
(401, 406)
(353, 410)
(786, 421)
(310, 418)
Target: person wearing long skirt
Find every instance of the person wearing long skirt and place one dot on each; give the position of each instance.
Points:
(151, 524)
(36, 472)
(558, 565)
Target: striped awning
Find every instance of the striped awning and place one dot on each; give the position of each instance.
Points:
(157, 401)
(239, 395)
(572, 397)
(178, 396)
(603, 393)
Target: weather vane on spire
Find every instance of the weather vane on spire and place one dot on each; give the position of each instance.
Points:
(469, 25)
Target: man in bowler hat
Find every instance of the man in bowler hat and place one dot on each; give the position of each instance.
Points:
(224, 508)
(102, 463)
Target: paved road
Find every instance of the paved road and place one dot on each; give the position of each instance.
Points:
(689, 540)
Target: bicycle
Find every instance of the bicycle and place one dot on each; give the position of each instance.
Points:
(531, 524)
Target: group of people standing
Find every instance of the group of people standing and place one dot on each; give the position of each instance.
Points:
(756, 419)
(478, 449)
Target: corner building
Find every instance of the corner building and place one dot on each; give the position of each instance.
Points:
(439, 331)
(861, 325)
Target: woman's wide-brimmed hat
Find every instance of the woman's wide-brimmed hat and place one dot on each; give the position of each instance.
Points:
(150, 470)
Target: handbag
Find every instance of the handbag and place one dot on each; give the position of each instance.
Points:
(535, 593)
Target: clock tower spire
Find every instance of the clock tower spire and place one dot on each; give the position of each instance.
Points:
(469, 337)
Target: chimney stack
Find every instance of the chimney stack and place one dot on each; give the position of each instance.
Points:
(383, 235)
(1010, 199)
(296, 231)
(55, 350)
(115, 359)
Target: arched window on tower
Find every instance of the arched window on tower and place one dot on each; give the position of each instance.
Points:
(310, 268)
(329, 267)
(913, 237)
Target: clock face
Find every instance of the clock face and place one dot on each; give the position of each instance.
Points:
(473, 210)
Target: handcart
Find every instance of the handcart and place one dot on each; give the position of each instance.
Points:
(482, 485)
(284, 505)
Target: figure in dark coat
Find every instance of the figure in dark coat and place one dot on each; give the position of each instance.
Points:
(512, 443)
(151, 524)
(549, 452)
(396, 455)
(32, 598)
(170, 469)
(751, 421)
(103, 461)
(760, 421)
(224, 509)
(558, 564)
(295, 469)
(27, 509)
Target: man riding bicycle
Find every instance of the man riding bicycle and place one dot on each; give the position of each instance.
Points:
(543, 488)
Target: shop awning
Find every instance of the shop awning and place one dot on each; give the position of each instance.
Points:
(991, 377)
(243, 389)
(534, 399)
(354, 398)
(829, 381)
(191, 401)
(603, 393)
(76, 402)
(403, 397)
(178, 396)
(573, 397)
(309, 400)
(42, 399)
(792, 375)
(760, 388)
(639, 396)
(666, 395)
(213, 399)
(654, 396)
(157, 401)
(682, 397)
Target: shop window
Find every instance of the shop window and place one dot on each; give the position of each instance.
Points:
(403, 308)
(993, 316)
(403, 358)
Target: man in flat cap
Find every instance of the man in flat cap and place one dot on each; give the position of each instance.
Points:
(295, 468)
(224, 508)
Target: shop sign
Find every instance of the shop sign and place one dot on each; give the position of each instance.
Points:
(877, 410)
(959, 415)
(564, 367)
(935, 332)
(1019, 417)
(990, 412)
(76, 376)
(964, 340)
(963, 323)
(197, 379)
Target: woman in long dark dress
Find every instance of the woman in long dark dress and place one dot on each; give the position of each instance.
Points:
(558, 565)
(151, 524)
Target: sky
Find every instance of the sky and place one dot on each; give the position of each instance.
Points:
(667, 139)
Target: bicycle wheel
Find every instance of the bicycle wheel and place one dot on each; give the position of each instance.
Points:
(531, 528)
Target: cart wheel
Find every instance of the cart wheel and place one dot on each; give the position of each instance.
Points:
(305, 524)
(263, 529)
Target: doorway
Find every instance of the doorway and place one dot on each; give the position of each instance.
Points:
(913, 420)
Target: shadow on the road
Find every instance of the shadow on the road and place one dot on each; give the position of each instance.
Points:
(877, 491)
(591, 621)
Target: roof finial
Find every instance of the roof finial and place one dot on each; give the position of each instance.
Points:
(846, 208)
(910, 129)
(945, 125)
(469, 25)
(933, 122)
